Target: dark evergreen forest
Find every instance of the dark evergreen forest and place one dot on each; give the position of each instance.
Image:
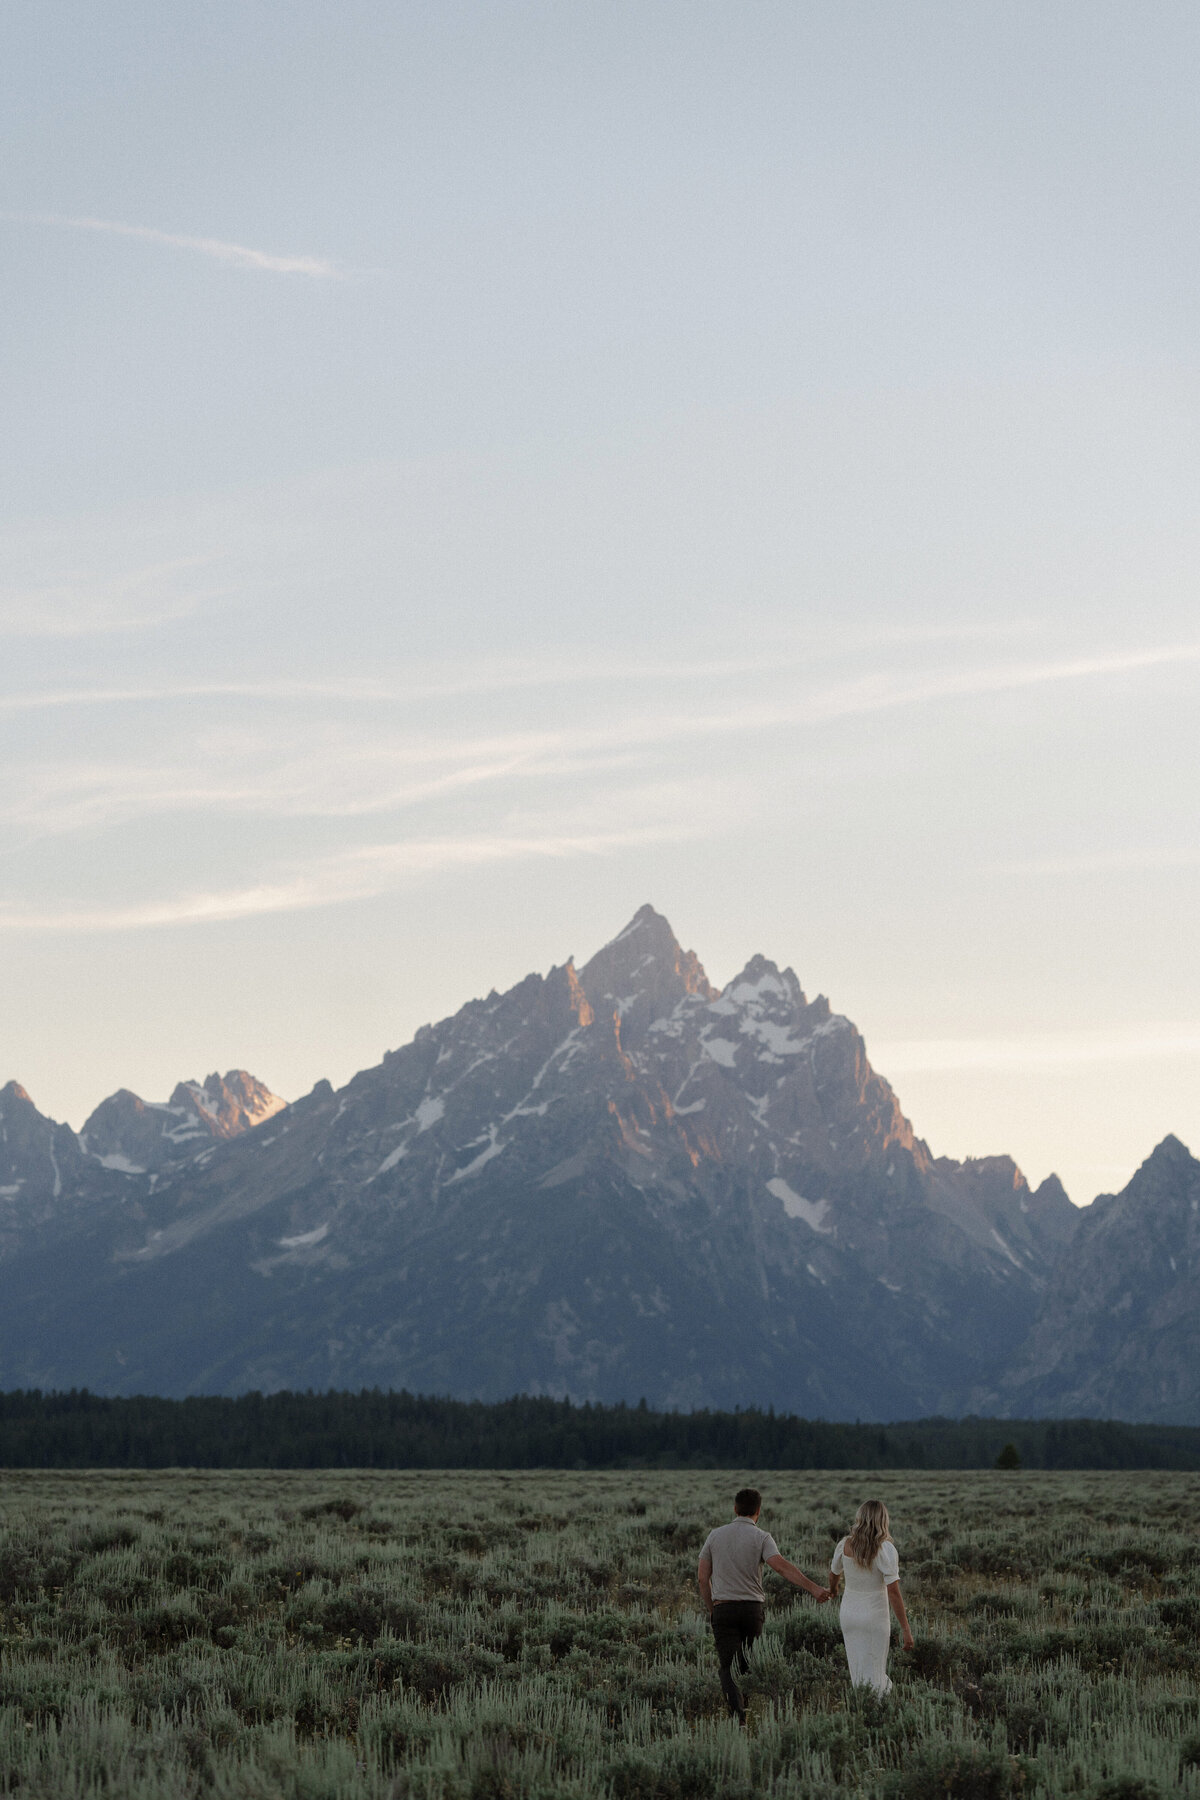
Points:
(374, 1430)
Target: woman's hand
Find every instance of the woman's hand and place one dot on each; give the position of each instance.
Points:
(908, 1641)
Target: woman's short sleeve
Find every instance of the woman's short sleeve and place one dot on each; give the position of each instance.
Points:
(835, 1561)
(888, 1563)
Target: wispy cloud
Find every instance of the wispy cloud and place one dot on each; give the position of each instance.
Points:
(1104, 862)
(325, 780)
(1035, 1053)
(876, 691)
(402, 688)
(881, 691)
(239, 256)
(77, 606)
(360, 874)
(353, 762)
(346, 749)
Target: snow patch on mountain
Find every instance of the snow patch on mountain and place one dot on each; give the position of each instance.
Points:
(1007, 1251)
(797, 1207)
(745, 993)
(777, 1038)
(120, 1163)
(638, 1113)
(306, 1239)
(562, 1054)
(431, 1109)
(494, 1148)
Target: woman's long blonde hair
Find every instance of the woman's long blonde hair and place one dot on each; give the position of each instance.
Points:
(872, 1528)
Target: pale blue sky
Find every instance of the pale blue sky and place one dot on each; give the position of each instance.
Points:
(470, 469)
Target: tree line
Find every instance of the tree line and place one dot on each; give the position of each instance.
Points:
(377, 1430)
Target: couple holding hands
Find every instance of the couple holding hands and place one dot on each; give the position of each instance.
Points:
(730, 1576)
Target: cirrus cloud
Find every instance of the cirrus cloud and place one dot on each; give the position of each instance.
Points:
(362, 873)
(238, 256)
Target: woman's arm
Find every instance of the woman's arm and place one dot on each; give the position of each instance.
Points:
(896, 1602)
(834, 1581)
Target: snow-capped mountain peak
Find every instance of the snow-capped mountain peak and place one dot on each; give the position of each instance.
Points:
(229, 1104)
(133, 1136)
(606, 1181)
(641, 975)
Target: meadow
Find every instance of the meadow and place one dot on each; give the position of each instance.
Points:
(492, 1636)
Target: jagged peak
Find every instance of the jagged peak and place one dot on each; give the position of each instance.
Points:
(639, 958)
(1000, 1173)
(995, 1168)
(1168, 1165)
(1054, 1210)
(762, 980)
(19, 1104)
(1170, 1155)
(228, 1104)
(644, 919)
(124, 1097)
(1173, 1148)
(119, 1106)
(216, 1086)
(648, 936)
(1051, 1192)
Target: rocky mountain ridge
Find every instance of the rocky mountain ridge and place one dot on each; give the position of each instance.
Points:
(609, 1181)
(141, 1137)
(1118, 1333)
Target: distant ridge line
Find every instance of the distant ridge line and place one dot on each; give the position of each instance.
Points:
(372, 1429)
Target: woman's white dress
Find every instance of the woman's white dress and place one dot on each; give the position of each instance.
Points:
(866, 1616)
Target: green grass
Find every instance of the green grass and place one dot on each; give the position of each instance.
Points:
(488, 1637)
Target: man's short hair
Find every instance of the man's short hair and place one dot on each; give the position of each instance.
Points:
(746, 1502)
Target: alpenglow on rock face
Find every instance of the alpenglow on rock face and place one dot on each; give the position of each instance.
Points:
(136, 1136)
(611, 1181)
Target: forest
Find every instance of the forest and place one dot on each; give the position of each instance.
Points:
(377, 1430)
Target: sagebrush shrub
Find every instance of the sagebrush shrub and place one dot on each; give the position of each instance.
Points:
(383, 1636)
(952, 1772)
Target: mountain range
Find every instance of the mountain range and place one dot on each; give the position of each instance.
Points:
(610, 1182)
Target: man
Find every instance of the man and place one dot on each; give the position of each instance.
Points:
(730, 1576)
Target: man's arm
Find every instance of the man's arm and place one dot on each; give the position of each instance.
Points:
(797, 1577)
(704, 1577)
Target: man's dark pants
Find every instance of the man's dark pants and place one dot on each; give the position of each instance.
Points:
(735, 1625)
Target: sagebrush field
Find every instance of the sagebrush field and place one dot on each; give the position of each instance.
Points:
(492, 1636)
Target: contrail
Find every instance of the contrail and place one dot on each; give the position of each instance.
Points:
(239, 256)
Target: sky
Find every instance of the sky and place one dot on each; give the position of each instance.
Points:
(471, 469)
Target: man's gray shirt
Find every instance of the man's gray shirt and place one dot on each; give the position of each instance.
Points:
(737, 1552)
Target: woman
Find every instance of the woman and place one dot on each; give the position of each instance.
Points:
(868, 1559)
